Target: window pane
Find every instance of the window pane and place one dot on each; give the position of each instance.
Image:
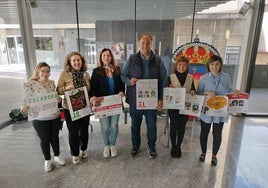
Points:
(12, 65)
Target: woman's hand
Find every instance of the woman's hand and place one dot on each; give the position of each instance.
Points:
(121, 94)
(70, 87)
(24, 109)
(209, 93)
(236, 92)
(192, 92)
(96, 101)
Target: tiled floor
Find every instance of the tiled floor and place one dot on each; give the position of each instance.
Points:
(242, 159)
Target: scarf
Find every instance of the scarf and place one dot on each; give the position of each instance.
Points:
(78, 78)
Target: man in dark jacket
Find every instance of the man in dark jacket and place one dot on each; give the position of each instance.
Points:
(143, 65)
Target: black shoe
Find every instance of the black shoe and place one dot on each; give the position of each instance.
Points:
(214, 161)
(202, 158)
(134, 152)
(173, 152)
(178, 152)
(152, 153)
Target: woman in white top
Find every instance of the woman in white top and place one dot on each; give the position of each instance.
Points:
(46, 128)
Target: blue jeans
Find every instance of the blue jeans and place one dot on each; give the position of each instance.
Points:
(109, 129)
(136, 120)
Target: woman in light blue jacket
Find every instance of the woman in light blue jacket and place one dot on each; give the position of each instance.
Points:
(213, 83)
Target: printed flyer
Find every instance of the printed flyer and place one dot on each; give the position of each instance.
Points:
(215, 106)
(147, 94)
(78, 103)
(174, 98)
(193, 105)
(42, 106)
(108, 106)
(238, 103)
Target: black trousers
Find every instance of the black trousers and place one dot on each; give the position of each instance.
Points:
(177, 127)
(78, 133)
(48, 132)
(217, 134)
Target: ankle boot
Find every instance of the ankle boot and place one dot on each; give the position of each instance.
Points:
(173, 152)
(178, 151)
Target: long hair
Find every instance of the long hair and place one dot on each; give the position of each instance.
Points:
(181, 59)
(101, 69)
(212, 59)
(35, 75)
(67, 61)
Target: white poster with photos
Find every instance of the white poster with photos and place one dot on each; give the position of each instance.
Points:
(215, 106)
(174, 98)
(78, 103)
(193, 105)
(147, 94)
(238, 103)
(42, 106)
(108, 106)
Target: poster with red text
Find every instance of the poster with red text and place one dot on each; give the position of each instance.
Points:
(108, 106)
(237, 103)
(147, 94)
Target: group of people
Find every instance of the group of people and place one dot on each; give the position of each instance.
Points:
(108, 79)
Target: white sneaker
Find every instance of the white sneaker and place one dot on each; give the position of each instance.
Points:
(106, 151)
(83, 154)
(60, 160)
(76, 160)
(48, 166)
(113, 151)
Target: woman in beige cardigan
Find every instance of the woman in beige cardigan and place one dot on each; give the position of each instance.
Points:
(179, 79)
(75, 76)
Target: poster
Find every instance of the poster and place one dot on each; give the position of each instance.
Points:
(174, 98)
(109, 105)
(193, 105)
(78, 103)
(238, 103)
(215, 106)
(130, 49)
(147, 94)
(118, 50)
(42, 106)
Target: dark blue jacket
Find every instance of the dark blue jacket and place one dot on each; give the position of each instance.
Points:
(135, 70)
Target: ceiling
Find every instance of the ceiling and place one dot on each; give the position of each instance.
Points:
(64, 11)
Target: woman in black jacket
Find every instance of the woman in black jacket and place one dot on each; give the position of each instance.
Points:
(105, 80)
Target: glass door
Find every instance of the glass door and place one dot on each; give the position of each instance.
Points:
(259, 88)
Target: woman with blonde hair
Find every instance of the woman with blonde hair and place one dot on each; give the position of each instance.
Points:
(46, 128)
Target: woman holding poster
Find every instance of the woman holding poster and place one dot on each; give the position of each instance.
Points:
(75, 76)
(105, 80)
(213, 83)
(179, 79)
(47, 128)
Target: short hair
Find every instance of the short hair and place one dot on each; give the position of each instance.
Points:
(212, 59)
(147, 35)
(181, 59)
